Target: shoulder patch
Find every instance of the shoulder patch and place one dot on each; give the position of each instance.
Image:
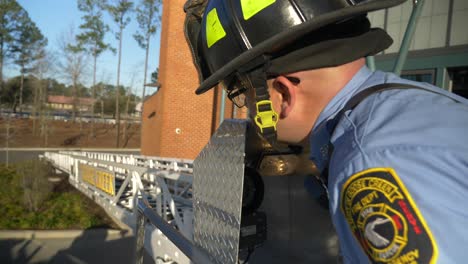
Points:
(385, 220)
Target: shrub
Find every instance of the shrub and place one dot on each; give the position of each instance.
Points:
(28, 202)
(34, 181)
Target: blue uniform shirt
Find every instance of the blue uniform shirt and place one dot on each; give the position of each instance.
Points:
(398, 177)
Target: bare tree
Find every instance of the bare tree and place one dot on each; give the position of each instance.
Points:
(127, 106)
(36, 188)
(105, 78)
(9, 136)
(43, 66)
(119, 11)
(72, 64)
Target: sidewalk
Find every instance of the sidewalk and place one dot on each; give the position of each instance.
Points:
(74, 246)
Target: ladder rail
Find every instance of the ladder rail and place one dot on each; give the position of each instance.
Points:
(163, 185)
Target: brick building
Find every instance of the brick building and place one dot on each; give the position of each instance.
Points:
(176, 123)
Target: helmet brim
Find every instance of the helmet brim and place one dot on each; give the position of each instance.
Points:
(290, 35)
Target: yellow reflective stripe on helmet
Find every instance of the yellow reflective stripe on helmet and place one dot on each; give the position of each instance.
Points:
(214, 28)
(252, 7)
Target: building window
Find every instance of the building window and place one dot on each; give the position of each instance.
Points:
(459, 80)
(427, 76)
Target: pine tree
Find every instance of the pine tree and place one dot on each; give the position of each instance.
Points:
(119, 11)
(148, 20)
(10, 14)
(91, 38)
(27, 48)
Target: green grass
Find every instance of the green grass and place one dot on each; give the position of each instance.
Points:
(61, 207)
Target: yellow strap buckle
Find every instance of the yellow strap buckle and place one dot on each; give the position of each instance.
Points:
(265, 118)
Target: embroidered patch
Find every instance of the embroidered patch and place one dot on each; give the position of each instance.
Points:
(385, 220)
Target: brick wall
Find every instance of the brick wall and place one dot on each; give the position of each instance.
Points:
(177, 123)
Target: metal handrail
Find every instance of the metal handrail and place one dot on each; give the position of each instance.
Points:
(193, 252)
(409, 33)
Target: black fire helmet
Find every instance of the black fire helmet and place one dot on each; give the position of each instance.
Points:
(283, 36)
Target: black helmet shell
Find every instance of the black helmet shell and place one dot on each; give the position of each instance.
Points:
(234, 33)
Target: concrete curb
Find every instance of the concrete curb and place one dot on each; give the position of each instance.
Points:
(109, 234)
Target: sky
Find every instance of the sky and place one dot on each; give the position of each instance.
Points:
(54, 17)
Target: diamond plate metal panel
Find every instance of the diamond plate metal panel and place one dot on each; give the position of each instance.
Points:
(217, 196)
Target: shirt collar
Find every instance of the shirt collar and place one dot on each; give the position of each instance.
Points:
(339, 100)
(320, 137)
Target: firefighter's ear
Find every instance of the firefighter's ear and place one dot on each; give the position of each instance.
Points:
(287, 95)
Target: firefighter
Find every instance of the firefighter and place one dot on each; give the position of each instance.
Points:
(392, 153)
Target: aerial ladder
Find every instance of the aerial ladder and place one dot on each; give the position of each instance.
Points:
(211, 210)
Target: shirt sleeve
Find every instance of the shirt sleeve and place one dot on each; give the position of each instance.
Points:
(398, 179)
(401, 203)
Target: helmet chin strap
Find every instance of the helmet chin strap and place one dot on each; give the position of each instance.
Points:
(266, 118)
